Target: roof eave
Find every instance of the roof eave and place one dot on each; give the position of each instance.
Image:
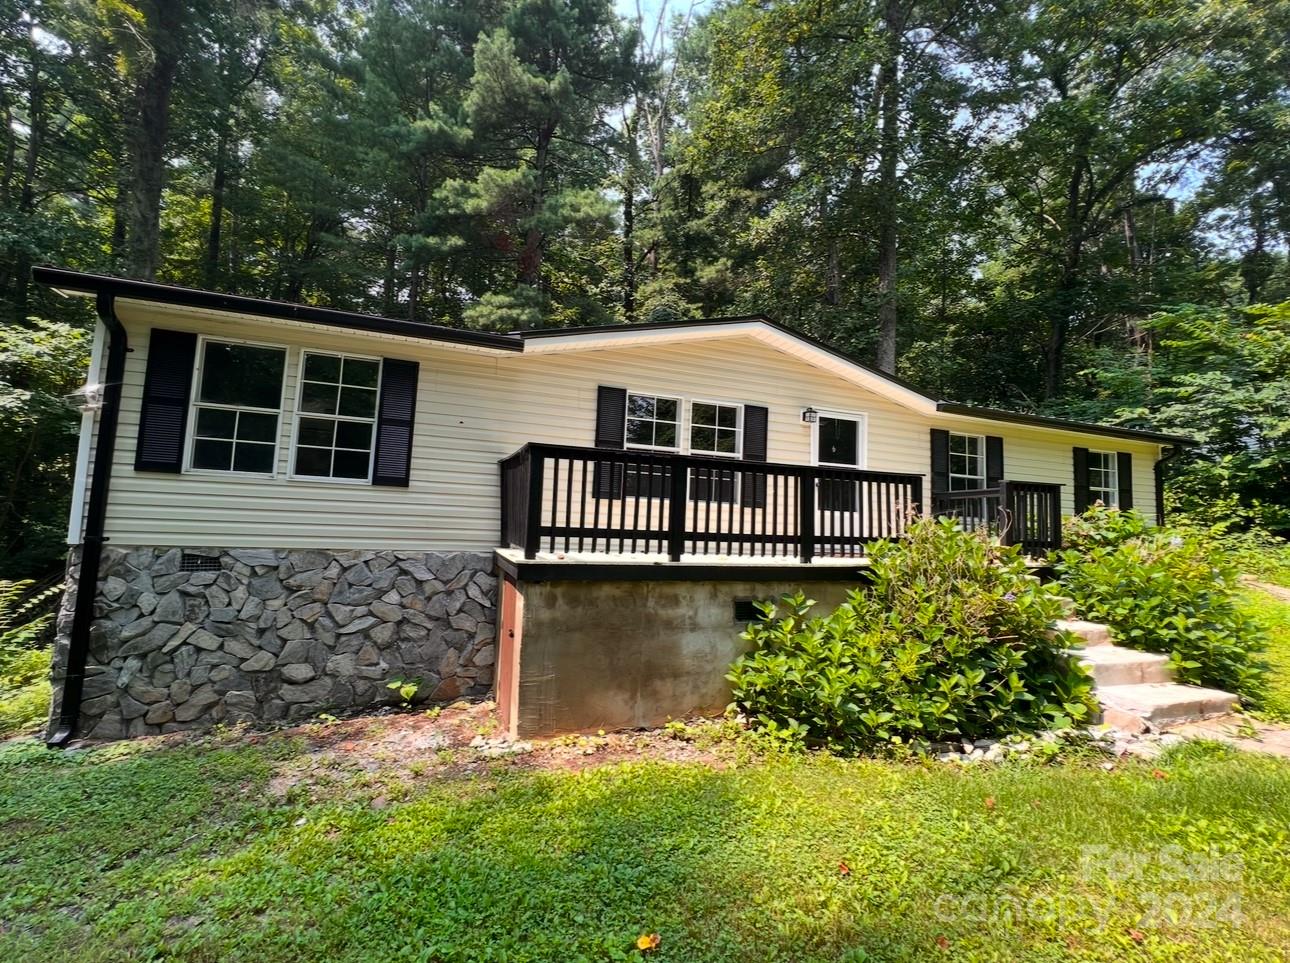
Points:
(1061, 424)
(77, 282)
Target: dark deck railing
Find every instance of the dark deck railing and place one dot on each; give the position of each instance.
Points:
(1022, 513)
(609, 501)
(561, 498)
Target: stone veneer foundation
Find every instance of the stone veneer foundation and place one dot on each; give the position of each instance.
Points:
(188, 638)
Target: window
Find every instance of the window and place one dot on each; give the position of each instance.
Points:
(1103, 478)
(236, 407)
(336, 416)
(653, 422)
(967, 462)
(838, 441)
(715, 429)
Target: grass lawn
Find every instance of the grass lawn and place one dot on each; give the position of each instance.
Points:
(321, 846)
(1274, 614)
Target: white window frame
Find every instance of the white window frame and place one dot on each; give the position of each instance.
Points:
(1109, 496)
(738, 453)
(862, 442)
(983, 478)
(298, 414)
(682, 439)
(195, 402)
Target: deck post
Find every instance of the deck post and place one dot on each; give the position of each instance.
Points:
(678, 476)
(806, 517)
(1055, 515)
(533, 513)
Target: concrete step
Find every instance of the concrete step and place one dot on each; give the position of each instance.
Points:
(1112, 665)
(1092, 633)
(1161, 703)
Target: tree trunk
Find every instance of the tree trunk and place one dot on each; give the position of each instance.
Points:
(218, 180)
(1068, 284)
(27, 192)
(629, 249)
(120, 210)
(387, 285)
(888, 185)
(1255, 265)
(529, 269)
(146, 136)
(414, 292)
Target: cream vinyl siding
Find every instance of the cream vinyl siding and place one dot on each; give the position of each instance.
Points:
(474, 408)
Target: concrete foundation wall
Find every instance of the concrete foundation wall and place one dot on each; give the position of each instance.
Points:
(189, 638)
(587, 655)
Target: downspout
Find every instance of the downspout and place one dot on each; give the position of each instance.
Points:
(1169, 455)
(69, 710)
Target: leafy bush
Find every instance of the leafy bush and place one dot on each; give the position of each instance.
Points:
(1163, 590)
(24, 663)
(952, 639)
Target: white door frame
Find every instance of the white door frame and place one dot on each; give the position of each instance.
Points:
(862, 441)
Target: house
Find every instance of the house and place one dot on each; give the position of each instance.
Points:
(280, 509)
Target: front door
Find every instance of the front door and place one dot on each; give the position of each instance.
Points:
(839, 443)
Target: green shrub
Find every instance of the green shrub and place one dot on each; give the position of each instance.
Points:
(951, 639)
(24, 667)
(1163, 590)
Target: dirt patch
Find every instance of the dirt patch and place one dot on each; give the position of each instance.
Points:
(390, 751)
(1279, 592)
(1243, 732)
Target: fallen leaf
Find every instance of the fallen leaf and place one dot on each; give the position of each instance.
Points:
(648, 941)
(844, 869)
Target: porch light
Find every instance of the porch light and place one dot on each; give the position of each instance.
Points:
(810, 416)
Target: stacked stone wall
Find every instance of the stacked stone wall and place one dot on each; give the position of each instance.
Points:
(188, 638)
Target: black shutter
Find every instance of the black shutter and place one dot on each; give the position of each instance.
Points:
(756, 445)
(993, 461)
(611, 427)
(1124, 469)
(940, 460)
(163, 411)
(1080, 459)
(394, 422)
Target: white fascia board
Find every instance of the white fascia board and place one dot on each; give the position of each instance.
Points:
(638, 336)
(89, 420)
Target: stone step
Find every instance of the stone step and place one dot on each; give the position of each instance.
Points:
(1112, 665)
(1161, 703)
(1092, 633)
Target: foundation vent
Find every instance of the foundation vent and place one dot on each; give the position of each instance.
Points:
(198, 563)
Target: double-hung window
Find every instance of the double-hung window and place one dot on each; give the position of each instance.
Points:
(967, 462)
(1103, 478)
(653, 422)
(236, 407)
(715, 429)
(336, 416)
